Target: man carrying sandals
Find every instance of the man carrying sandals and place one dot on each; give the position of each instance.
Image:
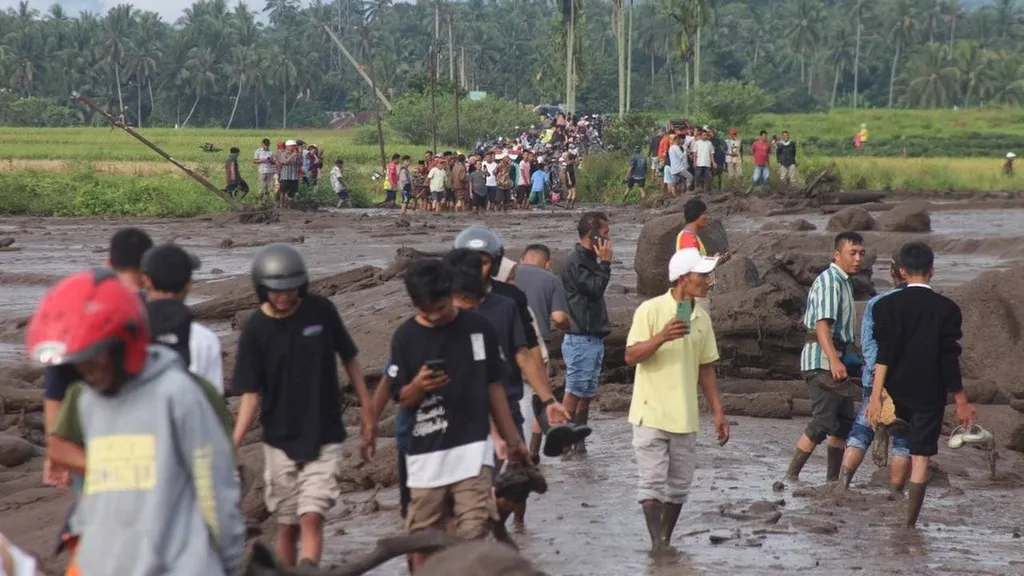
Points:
(862, 434)
(918, 333)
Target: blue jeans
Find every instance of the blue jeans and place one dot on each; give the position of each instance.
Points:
(862, 434)
(760, 175)
(583, 358)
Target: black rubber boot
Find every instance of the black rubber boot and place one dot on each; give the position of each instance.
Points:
(845, 477)
(653, 513)
(914, 501)
(834, 463)
(582, 415)
(797, 464)
(668, 522)
(535, 439)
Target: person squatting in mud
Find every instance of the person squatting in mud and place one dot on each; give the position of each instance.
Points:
(672, 344)
(829, 320)
(446, 368)
(863, 433)
(585, 277)
(158, 466)
(286, 371)
(918, 333)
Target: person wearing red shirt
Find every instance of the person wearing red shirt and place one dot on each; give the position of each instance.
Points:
(761, 151)
(392, 183)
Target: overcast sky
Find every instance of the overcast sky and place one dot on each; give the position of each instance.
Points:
(170, 10)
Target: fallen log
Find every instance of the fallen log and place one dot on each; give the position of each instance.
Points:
(763, 405)
(851, 198)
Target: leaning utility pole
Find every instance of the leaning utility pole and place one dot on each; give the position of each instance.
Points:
(433, 95)
(376, 105)
(458, 129)
(451, 46)
(358, 67)
(629, 60)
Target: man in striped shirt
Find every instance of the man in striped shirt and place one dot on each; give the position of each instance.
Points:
(829, 321)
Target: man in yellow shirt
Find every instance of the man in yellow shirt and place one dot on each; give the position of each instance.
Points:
(672, 355)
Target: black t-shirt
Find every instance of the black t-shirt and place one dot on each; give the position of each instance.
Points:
(523, 304)
(290, 363)
(450, 426)
(503, 315)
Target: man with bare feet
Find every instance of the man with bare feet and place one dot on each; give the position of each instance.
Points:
(863, 434)
(829, 323)
(918, 333)
(672, 344)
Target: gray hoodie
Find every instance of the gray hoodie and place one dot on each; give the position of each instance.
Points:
(160, 496)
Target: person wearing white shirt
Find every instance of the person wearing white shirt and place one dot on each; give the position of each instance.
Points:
(704, 152)
(263, 158)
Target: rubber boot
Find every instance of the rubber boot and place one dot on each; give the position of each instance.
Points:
(653, 513)
(797, 464)
(582, 415)
(668, 522)
(845, 477)
(535, 439)
(834, 463)
(914, 501)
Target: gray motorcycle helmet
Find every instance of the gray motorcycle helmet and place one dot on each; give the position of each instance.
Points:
(279, 267)
(482, 239)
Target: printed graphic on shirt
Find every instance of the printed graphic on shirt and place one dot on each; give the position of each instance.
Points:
(431, 417)
(120, 463)
(479, 353)
(313, 330)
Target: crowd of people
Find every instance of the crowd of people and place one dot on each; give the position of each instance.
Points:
(692, 158)
(138, 426)
(280, 171)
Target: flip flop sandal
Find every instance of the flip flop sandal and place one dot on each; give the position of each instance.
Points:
(975, 435)
(558, 439)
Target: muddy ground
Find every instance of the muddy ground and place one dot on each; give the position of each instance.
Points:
(589, 524)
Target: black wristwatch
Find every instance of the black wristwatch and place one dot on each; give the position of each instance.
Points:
(550, 401)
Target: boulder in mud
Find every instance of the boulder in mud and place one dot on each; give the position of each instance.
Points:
(762, 405)
(912, 217)
(851, 219)
(614, 398)
(992, 307)
(656, 244)
(985, 392)
(15, 451)
(381, 470)
(736, 275)
(797, 225)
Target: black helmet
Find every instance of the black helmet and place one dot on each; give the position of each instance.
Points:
(482, 239)
(279, 267)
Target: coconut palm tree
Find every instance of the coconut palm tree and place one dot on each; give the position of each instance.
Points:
(117, 42)
(971, 63)
(1003, 81)
(902, 34)
(842, 58)
(201, 75)
(142, 63)
(931, 81)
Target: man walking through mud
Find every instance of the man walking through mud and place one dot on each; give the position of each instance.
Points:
(672, 344)
(287, 373)
(585, 278)
(918, 333)
(829, 321)
(863, 434)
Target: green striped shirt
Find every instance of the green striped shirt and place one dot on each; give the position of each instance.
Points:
(830, 298)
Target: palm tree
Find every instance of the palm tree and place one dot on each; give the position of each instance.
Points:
(284, 75)
(858, 15)
(842, 58)
(243, 59)
(902, 34)
(954, 12)
(200, 73)
(142, 60)
(1003, 81)
(281, 11)
(805, 32)
(116, 27)
(932, 82)
(971, 63)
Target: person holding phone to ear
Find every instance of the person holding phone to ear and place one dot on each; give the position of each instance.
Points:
(672, 344)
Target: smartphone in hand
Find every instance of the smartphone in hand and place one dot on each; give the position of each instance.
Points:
(684, 310)
(436, 366)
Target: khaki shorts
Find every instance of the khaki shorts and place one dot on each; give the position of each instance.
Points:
(294, 490)
(474, 506)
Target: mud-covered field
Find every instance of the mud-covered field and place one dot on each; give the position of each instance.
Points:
(589, 522)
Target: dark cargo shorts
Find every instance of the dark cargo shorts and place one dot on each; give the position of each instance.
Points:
(832, 412)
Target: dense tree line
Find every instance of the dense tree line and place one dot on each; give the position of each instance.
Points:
(221, 65)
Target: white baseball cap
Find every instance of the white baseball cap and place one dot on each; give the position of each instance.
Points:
(689, 260)
(290, 143)
(1011, 155)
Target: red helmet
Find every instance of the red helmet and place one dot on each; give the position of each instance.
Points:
(83, 315)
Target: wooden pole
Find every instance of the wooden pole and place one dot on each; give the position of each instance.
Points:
(433, 95)
(231, 201)
(358, 67)
(458, 129)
